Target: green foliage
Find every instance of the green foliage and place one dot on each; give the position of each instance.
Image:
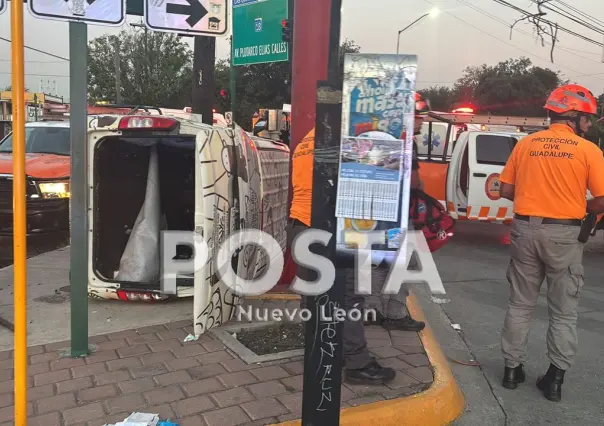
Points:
(155, 68)
(511, 87)
(442, 98)
(260, 86)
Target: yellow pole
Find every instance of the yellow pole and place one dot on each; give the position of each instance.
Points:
(19, 217)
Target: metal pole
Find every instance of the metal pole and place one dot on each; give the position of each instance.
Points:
(309, 64)
(323, 334)
(406, 28)
(233, 82)
(78, 110)
(204, 59)
(118, 84)
(19, 214)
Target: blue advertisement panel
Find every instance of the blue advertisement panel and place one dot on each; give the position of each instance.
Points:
(376, 150)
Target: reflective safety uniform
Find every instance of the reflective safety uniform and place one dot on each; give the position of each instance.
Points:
(551, 171)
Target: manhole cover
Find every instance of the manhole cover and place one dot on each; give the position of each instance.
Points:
(66, 289)
(53, 298)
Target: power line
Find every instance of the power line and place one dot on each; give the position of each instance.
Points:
(38, 50)
(581, 13)
(38, 75)
(503, 41)
(565, 49)
(565, 14)
(36, 62)
(566, 30)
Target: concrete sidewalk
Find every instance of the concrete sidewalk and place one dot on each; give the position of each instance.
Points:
(48, 305)
(197, 383)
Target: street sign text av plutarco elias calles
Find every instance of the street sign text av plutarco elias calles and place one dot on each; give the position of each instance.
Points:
(257, 31)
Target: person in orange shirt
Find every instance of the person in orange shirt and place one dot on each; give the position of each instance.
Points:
(547, 177)
(360, 367)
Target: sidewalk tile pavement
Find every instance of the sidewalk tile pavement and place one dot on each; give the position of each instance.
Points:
(199, 383)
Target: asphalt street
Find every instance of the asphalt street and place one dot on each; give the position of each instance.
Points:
(473, 270)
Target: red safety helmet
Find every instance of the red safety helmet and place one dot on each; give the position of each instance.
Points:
(572, 97)
(422, 106)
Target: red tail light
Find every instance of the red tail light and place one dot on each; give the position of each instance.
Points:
(139, 296)
(147, 122)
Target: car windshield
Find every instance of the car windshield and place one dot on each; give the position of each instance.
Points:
(41, 140)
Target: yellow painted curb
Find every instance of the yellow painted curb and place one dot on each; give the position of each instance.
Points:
(276, 296)
(439, 405)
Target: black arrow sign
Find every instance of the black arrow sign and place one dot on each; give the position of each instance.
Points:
(195, 10)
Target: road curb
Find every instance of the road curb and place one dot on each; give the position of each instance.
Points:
(439, 405)
(275, 296)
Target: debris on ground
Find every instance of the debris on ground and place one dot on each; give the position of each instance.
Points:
(456, 327)
(190, 338)
(439, 300)
(273, 339)
(143, 419)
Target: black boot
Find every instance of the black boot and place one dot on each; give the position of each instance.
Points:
(551, 383)
(406, 324)
(513, 376)
(372, 374)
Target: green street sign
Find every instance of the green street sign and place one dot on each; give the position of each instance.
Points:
(257, 31)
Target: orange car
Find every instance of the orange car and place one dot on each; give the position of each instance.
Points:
(47, 166)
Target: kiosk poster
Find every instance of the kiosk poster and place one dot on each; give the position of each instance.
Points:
(378, 101)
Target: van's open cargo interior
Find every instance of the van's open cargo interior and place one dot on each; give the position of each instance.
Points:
(122, 184)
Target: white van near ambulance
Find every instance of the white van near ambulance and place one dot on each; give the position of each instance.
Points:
(462, 172)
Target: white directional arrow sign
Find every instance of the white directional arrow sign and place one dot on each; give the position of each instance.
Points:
(101, 12)
(195, 17)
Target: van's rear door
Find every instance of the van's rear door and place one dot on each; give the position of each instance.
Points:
(487, 154)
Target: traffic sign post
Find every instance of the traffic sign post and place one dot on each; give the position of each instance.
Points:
(19, 214)
(257, 28)
(105, 12)
(191, 17)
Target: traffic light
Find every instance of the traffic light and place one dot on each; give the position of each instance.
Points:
(286, 30)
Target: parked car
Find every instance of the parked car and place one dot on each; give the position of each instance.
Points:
(47, 168)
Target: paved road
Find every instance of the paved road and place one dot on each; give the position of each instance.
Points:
(36, 244)
(473, 270)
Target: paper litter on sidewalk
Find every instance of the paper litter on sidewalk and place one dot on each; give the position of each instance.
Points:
(456, 326)
(139, 419)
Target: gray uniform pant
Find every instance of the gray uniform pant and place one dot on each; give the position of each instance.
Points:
(356, 353)
(539, 252)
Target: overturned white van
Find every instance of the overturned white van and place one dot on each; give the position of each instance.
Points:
(150, 173)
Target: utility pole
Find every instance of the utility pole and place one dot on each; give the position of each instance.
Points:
(233, 82)
(204, 83)
(317, 102)
(118, 88)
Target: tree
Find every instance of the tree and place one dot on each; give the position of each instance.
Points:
(511, 87)
(9, 88)
(155, 68)
(442, 98)
(260, 86)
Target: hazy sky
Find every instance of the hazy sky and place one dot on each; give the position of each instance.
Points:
(462, 34)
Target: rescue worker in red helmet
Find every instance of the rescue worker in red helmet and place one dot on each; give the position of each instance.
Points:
(547, 177)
